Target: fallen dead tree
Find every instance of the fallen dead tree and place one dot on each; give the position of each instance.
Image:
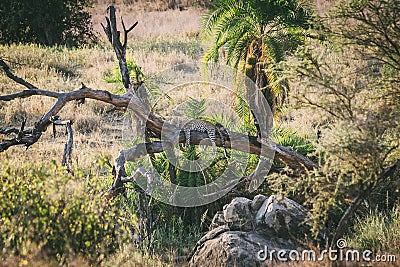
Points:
(134, 101)
(28, 137)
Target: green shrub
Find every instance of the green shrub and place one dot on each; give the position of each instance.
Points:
(135, 72)
(45, 211)
(46, 22)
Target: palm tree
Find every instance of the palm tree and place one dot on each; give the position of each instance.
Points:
(254, 35)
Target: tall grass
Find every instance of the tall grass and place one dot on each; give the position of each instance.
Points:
(378, 232)
(45, 212)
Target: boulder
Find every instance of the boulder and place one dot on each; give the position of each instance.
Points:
(246, 231)
(282, 217)
(237, 248)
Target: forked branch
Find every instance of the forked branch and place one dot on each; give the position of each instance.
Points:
(31, 136)
(283, 154)
(113, 36)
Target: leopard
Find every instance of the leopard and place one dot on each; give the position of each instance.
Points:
(205, 127)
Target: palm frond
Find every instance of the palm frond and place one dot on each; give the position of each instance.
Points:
(288, 137)
(195, 108)
(275, 54)
(243, 111)
(227, 22)
(238, 47)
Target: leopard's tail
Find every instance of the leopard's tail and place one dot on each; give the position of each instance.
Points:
(222, 140)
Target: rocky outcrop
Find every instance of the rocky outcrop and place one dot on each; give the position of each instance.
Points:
(251, 232)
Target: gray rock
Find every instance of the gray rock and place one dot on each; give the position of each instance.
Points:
(257, 202)
(236, 248)
(237, 214)
(247, 227)
(282, 217)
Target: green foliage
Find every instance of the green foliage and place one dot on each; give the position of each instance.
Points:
(185, 173)
(288, 137)
(236, 24)
(46, 22)
(135, 73)
(189, 177)
(378, 232)
(44, 210)
(243, 111)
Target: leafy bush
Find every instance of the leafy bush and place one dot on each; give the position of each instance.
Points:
(46, 22)
(339, 81)
(135, 72)
(45, 211)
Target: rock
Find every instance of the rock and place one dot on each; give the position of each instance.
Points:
(212, 234)
(282, 217)
(244, 228)
(257, 202)
(236, 214)
(237, 248)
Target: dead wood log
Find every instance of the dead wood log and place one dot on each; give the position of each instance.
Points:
(283, 154)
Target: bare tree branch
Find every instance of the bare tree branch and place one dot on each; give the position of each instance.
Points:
(127, 31)
(29, 93)
(21, 130)
(282, 154)
(31, 136)
(67, 157)
(13, 77)
(12, 130)
(242, 143)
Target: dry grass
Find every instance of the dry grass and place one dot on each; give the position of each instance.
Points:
(154, 24)
(129, 256)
